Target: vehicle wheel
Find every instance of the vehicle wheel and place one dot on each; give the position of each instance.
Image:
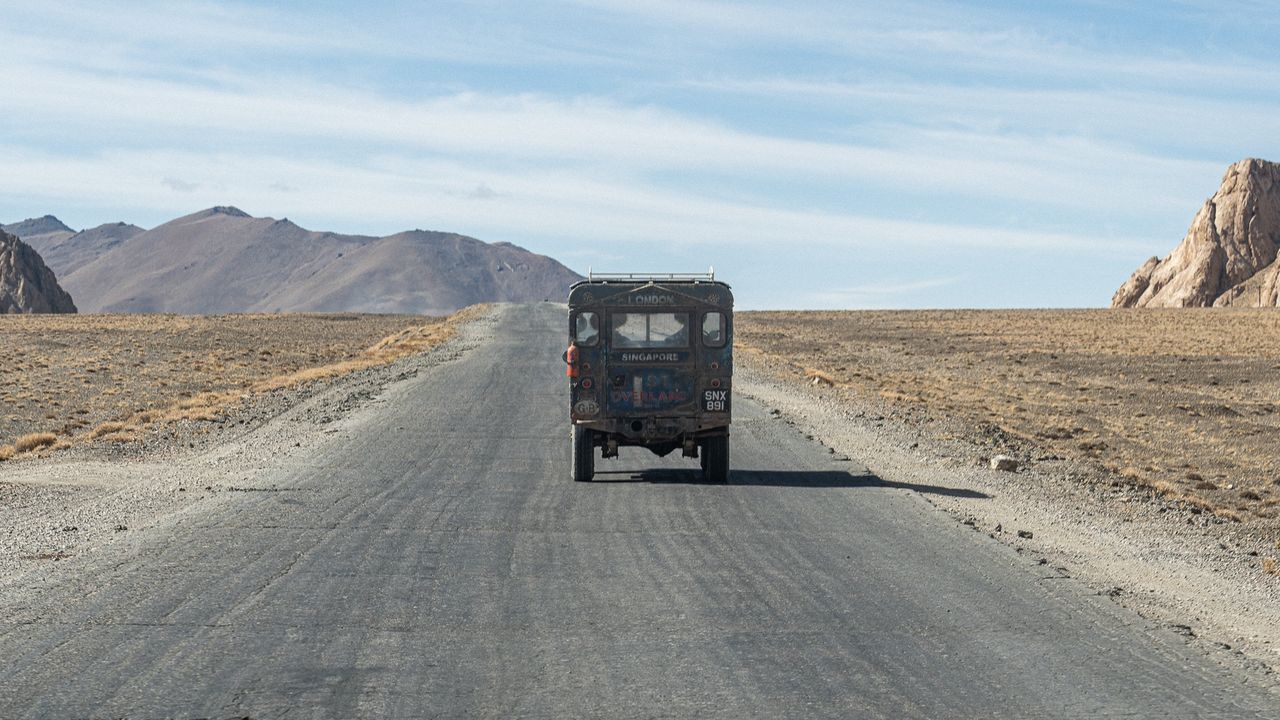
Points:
(715, 459)
(584, 457)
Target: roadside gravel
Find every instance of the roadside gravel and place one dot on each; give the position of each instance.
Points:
(1170, 562)
(84, 498)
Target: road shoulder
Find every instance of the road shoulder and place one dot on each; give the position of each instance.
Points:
(71, 504)
(1171, 565)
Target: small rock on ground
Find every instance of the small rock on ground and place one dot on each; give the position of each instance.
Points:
(1004, 463)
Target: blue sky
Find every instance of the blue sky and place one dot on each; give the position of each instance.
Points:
(819, 155)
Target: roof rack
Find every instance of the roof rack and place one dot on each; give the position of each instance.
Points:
(708, 276)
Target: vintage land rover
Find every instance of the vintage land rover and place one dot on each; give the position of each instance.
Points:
(650, 363)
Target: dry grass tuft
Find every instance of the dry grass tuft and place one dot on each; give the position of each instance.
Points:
(1131, 473)
(1270, 566)
(203, 400)
(307, 375)
(205, 406)
(1227, 514)
(106, 428)
(35, 441)
(819, 377)
(121, 436)
(896, 396)
(385, 351)
(7, 451)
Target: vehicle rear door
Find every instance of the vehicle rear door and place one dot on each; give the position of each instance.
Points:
(651, 369)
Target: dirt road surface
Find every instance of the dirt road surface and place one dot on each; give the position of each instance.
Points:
(413, 547)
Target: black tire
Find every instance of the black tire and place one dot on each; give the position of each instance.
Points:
(584, 457)
(715, 459)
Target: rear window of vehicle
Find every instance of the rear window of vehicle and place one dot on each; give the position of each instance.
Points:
(713, 330)
(650, 330)
(586, 329)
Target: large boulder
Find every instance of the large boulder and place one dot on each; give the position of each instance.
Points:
(27, 285)
(1228, 256)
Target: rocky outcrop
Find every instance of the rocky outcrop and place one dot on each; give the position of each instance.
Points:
(1229, 255)
(27, 285)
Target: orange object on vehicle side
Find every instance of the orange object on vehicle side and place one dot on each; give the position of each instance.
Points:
(571, 357)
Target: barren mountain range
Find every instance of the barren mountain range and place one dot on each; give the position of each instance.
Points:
(64, 249)
(27, 285)
(1229, 255)
(224, 260)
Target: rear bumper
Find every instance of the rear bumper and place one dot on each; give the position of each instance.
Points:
(657, 430)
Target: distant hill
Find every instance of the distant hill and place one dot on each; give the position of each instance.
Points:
(40, 233)
(37, 226)
(64, 249)
(1229, 255)
(68, 254)
(27, 285)
(224, 260)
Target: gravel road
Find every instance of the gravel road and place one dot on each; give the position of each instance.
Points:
(410, 545)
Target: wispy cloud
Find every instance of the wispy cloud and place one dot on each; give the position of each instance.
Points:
(207, 35)
(600, 135)
(959, 140)
(483, 192)
(179, 185)
(1000, 42)
(877, 294)
(578, 208)
(1112, 113)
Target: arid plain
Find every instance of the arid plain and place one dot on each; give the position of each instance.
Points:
(1186, 401)
(78, 379)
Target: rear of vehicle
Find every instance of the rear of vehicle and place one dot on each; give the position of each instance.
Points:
(650, 365)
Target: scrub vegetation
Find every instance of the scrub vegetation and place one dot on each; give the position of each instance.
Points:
(1185, 401)
(71, 379)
